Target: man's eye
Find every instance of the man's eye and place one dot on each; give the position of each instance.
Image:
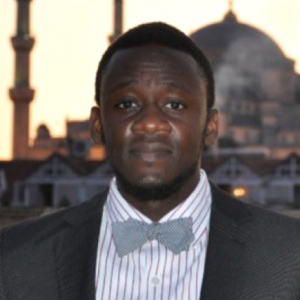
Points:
(126, 104)
(175, 105)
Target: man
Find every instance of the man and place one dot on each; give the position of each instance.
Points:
(161, 231)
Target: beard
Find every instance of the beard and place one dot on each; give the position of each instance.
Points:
(156, 191)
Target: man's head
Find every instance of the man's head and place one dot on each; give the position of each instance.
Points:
(164, 35)
(155, 91)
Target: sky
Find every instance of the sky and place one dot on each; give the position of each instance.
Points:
(71, 36)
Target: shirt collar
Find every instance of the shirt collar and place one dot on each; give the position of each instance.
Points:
(197, 206)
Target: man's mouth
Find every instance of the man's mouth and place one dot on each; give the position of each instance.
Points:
(150, 151)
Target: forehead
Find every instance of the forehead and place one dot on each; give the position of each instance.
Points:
(157, 63)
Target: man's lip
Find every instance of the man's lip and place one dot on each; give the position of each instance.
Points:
(150, 151)
(152, 147)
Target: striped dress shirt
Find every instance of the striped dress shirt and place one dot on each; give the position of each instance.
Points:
(152, 271)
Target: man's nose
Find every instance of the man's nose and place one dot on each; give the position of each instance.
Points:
(151, 120)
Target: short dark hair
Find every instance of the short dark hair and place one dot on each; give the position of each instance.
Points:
(164, 35)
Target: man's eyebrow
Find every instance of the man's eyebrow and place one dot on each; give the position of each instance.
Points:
(123, 83)
(175, 86)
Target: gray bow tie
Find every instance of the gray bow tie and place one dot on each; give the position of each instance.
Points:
(176, 235)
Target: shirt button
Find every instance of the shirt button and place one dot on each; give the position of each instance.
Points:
(155, 280)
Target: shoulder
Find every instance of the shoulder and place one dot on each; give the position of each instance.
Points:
(259, 220)
(39, 230)
(271, 225)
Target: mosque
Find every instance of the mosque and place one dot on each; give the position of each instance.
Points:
(257, 93)
(257, 88)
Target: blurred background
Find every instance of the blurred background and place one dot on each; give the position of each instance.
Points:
(49, 55)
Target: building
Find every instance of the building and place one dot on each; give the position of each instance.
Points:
(60, 181)
(257, 88)
(258, 92)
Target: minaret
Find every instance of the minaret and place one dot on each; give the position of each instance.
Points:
(21, 94)
(118, 20)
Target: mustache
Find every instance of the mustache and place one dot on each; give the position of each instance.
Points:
(151, 143)
(151, 138)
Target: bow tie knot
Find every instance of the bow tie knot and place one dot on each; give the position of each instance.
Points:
(176, 235)
(153, 232)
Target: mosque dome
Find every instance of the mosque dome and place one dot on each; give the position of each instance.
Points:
(238, 42)
(249, 69)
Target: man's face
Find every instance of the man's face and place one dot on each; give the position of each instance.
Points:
(154, 116)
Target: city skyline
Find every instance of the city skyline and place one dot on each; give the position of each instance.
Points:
(66, 54)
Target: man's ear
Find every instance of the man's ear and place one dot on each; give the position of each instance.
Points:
(95, 125)
(212, 128)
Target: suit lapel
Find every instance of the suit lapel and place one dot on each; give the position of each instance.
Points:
(229, 249)
(76, 251)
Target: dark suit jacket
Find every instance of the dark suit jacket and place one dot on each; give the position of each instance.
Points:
(252, 254)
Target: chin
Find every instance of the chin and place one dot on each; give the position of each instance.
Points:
(147, 181)
(151, 179)
(149, 187)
